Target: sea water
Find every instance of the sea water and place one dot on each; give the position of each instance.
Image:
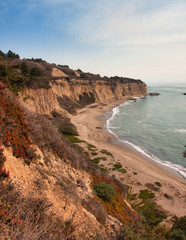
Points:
(155, 126)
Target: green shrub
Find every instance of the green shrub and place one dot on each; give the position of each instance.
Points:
(96, 160)
(94, 153)
(67, 128)
(16, 81)
(103, 158)
(104, 190)
(3, 71)
(36, 72)
(122, 170)
(180, 223)
(38, 60)
(146, 194)
(158, 184)
(91, 147)
(12, 55)
(73, 139)
(138, 231)
(2, 55)
(177, 234)
(104, 169)
(24, 68)
(87, 153)
(106, 152)
(117, 166)
(151, 213)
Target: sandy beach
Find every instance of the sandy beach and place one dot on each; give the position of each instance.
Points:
(140, 172)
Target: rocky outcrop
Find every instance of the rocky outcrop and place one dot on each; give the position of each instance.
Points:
(154, 94)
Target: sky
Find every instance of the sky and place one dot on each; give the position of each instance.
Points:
(141, 39)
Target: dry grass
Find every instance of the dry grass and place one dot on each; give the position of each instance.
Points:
(25, 217)
(46, 136)
(93, 206)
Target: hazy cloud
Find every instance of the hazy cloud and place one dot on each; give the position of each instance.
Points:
(115, 22)
(137, 38)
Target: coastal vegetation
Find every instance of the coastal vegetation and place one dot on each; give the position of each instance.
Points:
(9, 55)
(18, 74)
(104, 191)
(122, 170)
(67, 128)
(146, 194)
(106, 152)
(64, 170)
(13, 129)
(117, 166)
(73, 139)
(98, 159)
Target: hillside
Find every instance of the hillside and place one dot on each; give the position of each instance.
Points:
(50, 187)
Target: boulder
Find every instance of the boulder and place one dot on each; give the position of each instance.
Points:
(154, 94)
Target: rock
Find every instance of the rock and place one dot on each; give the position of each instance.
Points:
(154, 94)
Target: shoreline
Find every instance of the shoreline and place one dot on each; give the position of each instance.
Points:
(134, 148)
(91, 125)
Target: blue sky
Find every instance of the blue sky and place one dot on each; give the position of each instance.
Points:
(143, 39)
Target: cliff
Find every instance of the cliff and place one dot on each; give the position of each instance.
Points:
(55, 185)
(76, 90)
(51, 179)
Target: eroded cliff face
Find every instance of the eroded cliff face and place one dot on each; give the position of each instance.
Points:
(79, 93)
(60, 171)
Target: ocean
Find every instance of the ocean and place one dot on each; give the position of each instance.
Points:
(154, 126)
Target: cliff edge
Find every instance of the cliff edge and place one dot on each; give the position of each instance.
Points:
(48, 181)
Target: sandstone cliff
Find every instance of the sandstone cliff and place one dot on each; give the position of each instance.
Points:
(73, 91)
(49, 167)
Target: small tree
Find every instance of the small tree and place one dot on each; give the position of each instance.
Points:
(3, 71)
(104, 190)
(24, 68)
(2, 54)
(11, 54)
(67, 128)
(36, 72)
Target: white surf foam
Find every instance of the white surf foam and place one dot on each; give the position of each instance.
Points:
(115, 111)
(179, 169)
(180, 130)
(114, 127)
